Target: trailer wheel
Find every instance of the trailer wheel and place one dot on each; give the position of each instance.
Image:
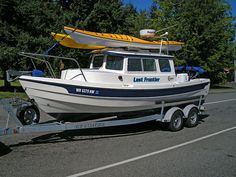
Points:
(176, 121)
(192, 119)
(29, 115)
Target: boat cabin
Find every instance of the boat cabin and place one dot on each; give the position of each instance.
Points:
(128, 68)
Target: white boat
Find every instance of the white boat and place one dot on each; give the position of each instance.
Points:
(118, 82)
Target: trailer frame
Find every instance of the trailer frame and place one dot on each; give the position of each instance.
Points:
(11, 105)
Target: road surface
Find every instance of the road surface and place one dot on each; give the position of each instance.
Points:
(145, 150)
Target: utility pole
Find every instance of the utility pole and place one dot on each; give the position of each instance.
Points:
(234, 62)
(235, 71)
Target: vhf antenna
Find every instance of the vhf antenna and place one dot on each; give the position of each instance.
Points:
(166, 28)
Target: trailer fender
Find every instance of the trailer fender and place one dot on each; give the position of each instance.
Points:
(169, 113)
(187, 109)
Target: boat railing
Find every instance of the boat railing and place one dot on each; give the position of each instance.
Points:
(33, 57)
(42, 58)
(164, 38)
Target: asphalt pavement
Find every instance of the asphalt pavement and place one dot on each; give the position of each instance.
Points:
(142, 150)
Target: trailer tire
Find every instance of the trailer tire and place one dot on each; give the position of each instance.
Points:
(192, 118)
(29, 115)
(176, 122)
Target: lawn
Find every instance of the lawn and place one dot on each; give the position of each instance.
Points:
(14, 85)
(11, 94)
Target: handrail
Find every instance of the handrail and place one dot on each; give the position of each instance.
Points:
(45, 61)
(167, 46)
(32, 55)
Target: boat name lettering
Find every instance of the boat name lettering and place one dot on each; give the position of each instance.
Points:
(146, 79)
(87, 91)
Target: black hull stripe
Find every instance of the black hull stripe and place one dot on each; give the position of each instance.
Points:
(107, 92)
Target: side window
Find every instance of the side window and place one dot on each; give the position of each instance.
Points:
(134, 65)
(98, 61)
(164, 65)
(114, 62)
(149, 65)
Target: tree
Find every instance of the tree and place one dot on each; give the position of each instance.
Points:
(109, 16)
(7, 39)
(205, 26)
(139, 21)
(25, 25)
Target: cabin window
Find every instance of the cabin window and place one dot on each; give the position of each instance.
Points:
(114, 62)
(98, 61)
(134, 65)
(164, 65)
(149, 65)
(141, 64)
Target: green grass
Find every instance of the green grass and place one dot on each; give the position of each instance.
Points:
(8, 94)
(222, 86)
(13, 84)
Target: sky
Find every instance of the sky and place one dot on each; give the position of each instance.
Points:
(146, 4)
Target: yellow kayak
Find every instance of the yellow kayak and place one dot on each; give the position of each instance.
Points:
(66, 41)
(118, 40)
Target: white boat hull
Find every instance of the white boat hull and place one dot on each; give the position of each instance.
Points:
(75, 100)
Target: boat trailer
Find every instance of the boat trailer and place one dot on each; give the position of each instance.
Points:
(175, 116)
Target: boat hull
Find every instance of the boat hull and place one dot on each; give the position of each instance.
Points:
(76, 102)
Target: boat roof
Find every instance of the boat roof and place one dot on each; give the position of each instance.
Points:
(138, 53)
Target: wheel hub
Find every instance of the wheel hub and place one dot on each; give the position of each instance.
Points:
(30, 116)
(177, 122)
(193, 118)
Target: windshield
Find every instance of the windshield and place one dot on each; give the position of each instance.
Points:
(98, 61)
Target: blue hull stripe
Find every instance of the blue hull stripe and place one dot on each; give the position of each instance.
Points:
(106, 92)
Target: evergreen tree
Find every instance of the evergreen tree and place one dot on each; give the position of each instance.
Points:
(205, 26)
(25, 25)
(139, 21)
